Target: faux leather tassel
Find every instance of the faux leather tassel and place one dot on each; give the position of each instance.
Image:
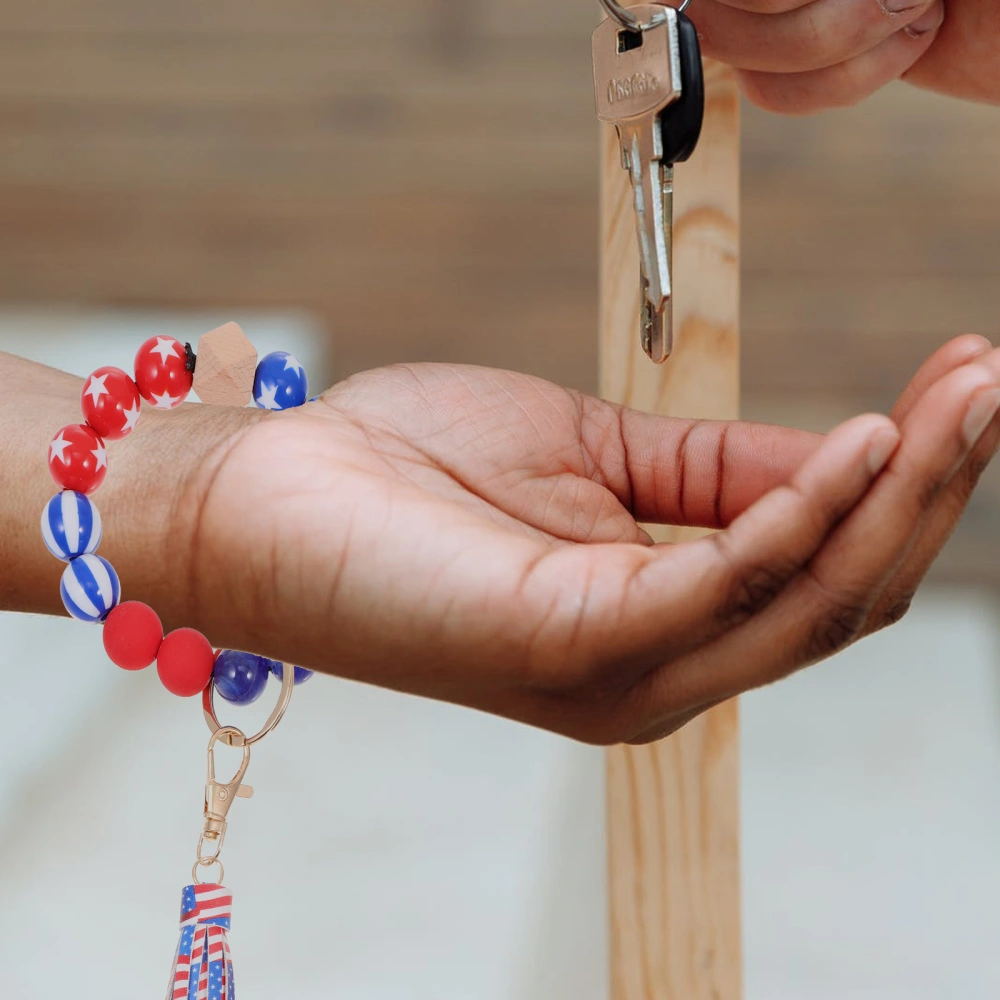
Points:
(203, 967)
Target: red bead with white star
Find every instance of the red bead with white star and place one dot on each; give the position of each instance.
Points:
(78, 459)
(161, 372)
(111, 403)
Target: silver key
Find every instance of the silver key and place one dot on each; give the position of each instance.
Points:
(636, 76)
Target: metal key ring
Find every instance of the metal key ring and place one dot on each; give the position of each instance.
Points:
(208, 707)
(207, 863)
(629, 21)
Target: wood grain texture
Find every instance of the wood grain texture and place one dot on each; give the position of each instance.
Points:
(390, 179)
(673, 808)
(227, 363)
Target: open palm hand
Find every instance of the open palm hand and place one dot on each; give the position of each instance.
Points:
(474, 535)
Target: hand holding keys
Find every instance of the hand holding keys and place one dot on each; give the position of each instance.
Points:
(649, 84)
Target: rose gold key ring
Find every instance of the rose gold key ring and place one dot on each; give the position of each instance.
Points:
(629, 21)
(232, 736)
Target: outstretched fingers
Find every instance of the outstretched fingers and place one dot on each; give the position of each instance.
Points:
(698, 473)
(826, 606)
(705, 473)
(645, 606)
(942, 518)
(946, 359)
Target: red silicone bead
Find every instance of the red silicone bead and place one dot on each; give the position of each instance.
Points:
(110, 402)
(161, 372)
(78, 459)
(185, 662)
(132, 635)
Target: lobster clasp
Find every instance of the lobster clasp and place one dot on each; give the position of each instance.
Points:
(219, 795)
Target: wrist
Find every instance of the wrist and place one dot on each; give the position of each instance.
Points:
(149, 504)
(154, 495)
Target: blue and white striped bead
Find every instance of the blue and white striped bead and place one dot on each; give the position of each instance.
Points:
(90, 588)
(280, 382)
(71, 525)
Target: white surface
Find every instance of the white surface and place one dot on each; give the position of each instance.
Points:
(400, 849)
(872, 816)
(393, 848)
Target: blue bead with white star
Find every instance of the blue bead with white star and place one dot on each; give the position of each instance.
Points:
(280, 382)
(90, 588)
(71, 525)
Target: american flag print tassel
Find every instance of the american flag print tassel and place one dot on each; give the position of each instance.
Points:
(203, 966)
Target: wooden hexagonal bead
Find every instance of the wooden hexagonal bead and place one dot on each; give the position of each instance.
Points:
(226, 364)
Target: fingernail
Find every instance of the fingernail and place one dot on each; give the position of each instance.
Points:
(982, 410)
(881, 448)
(931, 21)
(899, 6)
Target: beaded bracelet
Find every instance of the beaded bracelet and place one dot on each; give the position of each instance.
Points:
(224, 371)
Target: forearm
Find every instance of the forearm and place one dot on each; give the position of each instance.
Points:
(147, 503)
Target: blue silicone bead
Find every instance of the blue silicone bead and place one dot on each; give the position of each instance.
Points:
(240, 677)
(280, 382)
(301, 674)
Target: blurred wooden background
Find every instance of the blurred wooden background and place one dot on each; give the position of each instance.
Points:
(422, 176)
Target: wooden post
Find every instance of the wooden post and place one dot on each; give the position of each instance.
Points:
(673, 810)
